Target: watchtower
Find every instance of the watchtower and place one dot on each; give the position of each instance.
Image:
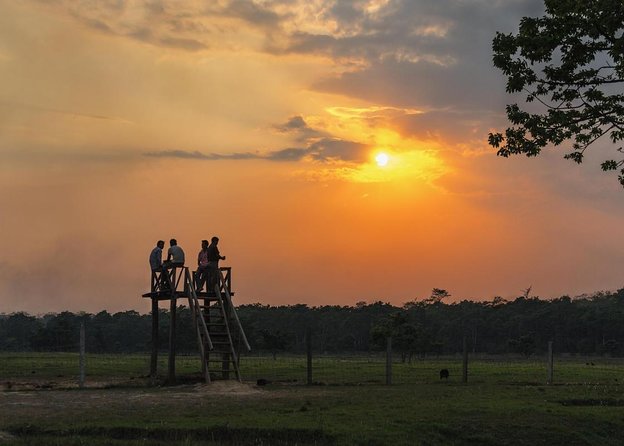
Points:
(219, 331)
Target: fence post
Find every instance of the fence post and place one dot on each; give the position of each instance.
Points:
(309, 354)
(465, 361)
(550, 363)
(82, 355)
(388, 360)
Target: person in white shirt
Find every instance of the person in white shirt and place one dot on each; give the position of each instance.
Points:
(175, 255)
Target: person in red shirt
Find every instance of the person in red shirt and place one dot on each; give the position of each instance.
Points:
(202, 266)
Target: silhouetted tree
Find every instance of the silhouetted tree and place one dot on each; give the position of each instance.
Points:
(274, 341)
(571, 63)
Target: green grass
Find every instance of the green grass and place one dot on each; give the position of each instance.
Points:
(505, 403)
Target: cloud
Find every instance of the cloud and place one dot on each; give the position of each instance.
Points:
(336, 149)
(300, 128)
(324, 150)
(250, 12)
(290, 154)
(203, 156)
(319, 146)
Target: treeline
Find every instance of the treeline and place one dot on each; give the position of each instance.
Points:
(589, 325)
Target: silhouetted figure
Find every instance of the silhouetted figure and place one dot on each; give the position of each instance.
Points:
(155, 258)
(444, 374)
(175, 256)
(202, 266)
(213, 263)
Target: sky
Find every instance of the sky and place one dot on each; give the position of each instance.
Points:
(123, 122)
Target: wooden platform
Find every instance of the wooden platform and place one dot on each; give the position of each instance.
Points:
(166, 295)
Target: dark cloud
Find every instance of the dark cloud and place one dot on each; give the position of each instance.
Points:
(251, 13)
(337, 149)
(300, 128)
(294, 123)
(291, 154)
(326, 149)
(202, 156)
(434, 54)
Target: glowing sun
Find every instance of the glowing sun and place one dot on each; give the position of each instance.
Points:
(382, 159)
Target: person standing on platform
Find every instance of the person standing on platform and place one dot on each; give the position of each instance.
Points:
(202, 266)
(213, 263)
(155, 258)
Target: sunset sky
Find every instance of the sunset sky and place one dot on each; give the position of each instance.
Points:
(127, 121)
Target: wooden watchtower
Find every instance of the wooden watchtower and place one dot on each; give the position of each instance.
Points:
(219, 331)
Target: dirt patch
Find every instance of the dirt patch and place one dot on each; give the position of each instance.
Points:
(228, 388)
(54, 396)
(5, 436)
(68, 384)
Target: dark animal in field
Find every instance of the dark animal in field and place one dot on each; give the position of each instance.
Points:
(444, 373)
(263, 382)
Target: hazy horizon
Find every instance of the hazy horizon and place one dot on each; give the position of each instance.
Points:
(122, 123)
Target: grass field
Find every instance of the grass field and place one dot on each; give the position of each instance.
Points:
(505, 401)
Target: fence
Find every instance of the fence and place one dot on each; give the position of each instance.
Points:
(78, 368)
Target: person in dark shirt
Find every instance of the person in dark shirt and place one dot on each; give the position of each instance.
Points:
(155, 258)
(213, 263)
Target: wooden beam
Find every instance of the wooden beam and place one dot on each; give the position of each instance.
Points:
(154, 358)
(172, 340)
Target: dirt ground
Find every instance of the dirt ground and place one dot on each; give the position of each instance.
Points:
(216, 387)
(47, 400)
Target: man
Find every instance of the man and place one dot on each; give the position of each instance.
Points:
(213, 263)
(175, 255)
(155, 258)
(202, 266)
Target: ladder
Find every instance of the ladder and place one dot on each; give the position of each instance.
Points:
(204, 342)
(213, 321)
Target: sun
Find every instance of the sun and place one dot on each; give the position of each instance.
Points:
(382, 159)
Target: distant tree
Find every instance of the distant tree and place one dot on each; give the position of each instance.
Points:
(498, 301)
(274, 341)
(17, 331)
(407, 338)
(60, 333)
(524, 344)
(437, 296)
(570, 62)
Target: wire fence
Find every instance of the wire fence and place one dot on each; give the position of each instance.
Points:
(347, 369)
(318, 368)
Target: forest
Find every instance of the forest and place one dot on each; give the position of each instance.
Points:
(585, 325)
